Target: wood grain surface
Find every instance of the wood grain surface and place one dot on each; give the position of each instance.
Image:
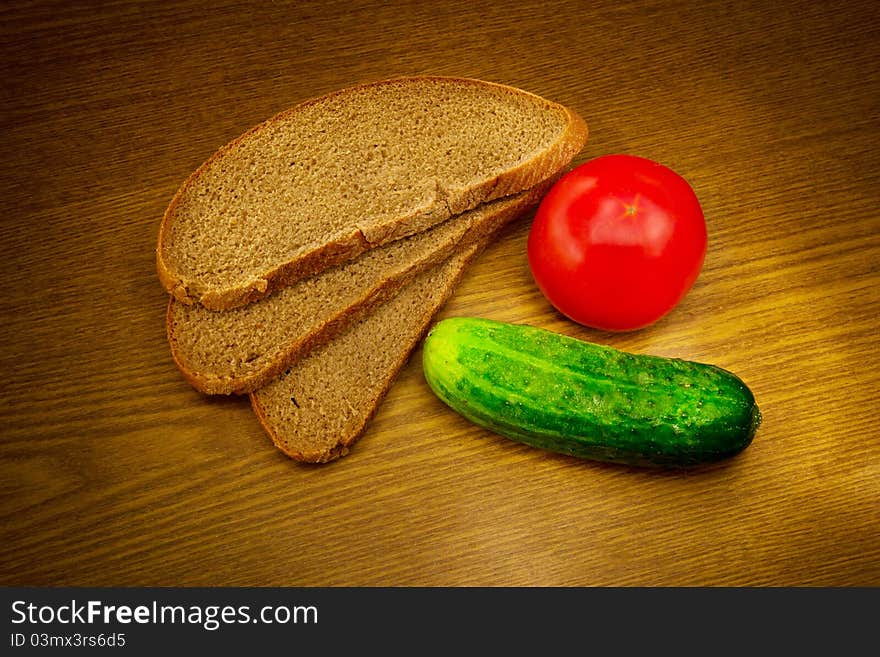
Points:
(114, 471)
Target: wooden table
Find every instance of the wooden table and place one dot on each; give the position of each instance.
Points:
(114, 471)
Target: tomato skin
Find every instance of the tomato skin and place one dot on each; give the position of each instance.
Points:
(617, 242)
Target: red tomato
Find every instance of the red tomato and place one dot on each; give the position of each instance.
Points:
(617, 242)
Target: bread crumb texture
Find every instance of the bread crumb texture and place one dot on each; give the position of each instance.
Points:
(370, 163)
(318, 409)
(237, 350)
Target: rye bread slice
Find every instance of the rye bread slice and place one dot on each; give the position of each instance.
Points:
(315, 412)
(320, 183)
(240, 350)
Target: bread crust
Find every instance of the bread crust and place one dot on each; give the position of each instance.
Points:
(341, 445)
(345, 247)
(289, 353)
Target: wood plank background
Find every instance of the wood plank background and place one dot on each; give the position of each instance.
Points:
(113, 471)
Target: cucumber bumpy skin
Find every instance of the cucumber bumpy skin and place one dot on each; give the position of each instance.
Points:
(590, 401)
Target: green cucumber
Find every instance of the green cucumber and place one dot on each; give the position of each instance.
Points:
(590, 401)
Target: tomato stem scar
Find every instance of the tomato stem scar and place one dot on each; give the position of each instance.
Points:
(631, 209)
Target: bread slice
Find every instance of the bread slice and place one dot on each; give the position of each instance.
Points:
(239, 350)
(321, 407)
(320, 183)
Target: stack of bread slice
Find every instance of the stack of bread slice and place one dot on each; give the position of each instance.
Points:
(306, 259)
